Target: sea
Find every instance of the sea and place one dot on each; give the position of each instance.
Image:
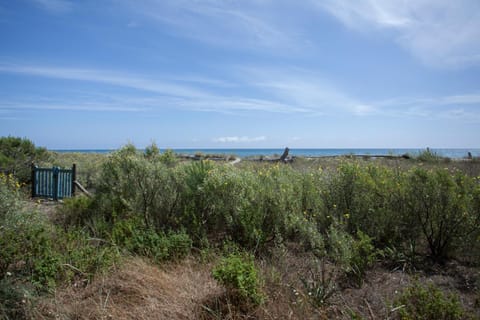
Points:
(321, 152)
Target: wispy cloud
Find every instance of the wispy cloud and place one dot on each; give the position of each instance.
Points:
(309, 92)
(248, 24)
(439, 32)
(66, 106)
(273, 90)
(103, 76)
(55, 6)
(238, 139)
(191, 93)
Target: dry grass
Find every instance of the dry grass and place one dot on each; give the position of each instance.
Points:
(137, 290)
(186, 290)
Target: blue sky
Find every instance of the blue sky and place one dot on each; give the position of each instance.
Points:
(241, 73)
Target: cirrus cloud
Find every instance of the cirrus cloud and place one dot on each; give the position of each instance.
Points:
(237, 139)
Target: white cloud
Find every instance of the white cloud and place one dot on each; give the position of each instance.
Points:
(439, 32)
(237, 139)
(191, 93)
(55, 6)
(105, 76)
(66, 106)
(286, 90)
(248, 24)
(309, 92)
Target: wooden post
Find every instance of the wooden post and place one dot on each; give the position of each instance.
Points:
(33, 179)
(55, 183)
(74, 177)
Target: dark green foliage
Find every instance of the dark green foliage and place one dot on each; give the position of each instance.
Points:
(158, 246)
(429, 156)
(15, 300)
(443, 209)
(369, 199)
(17, 155)
(83, 256)
(262, 205)
(76, 211)
(27, 249)
(152, 151)
(354, 255)
(238, 274)
(428, 303)
(168, 158)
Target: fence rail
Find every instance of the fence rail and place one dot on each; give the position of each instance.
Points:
(55, 183)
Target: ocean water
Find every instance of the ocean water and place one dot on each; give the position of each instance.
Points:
(451, 153)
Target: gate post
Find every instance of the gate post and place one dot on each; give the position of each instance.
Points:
(32, 166)
(74, 177)
(55, 183)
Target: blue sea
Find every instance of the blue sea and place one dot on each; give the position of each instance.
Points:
(450, 153)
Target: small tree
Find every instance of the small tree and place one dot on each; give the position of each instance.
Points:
(443, 208)
(17, 154)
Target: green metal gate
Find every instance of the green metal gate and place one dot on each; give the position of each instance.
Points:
(55, 183)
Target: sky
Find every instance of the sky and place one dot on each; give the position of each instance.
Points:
(97, 74)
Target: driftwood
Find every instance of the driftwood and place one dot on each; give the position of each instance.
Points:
(79, 186)
(284, 155)
(403, 156)
(283, 158)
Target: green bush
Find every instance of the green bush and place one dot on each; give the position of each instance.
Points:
(158, 246)
(28, 249)
(82, 256)
(429, 303)
(76, 211)
(132, 184)
(353, 255)
(368, 198)
(428, 155)
(442, 208)
(239, 276)
(17, 155)
(9, 196)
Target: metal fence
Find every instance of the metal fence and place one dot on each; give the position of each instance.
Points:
(55, 183)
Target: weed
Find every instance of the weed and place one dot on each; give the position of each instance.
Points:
(239, 276)
(428, 302)
(321, 285)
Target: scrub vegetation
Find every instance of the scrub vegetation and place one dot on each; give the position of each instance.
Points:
(322, 239)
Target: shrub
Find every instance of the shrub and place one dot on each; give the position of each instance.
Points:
(76, 211)
(442, 207)
(158, 246)
(17, 155)
(168, 158)
(82, 256)
(133, 184)
(239, 276)
(9, 196)
(27, 249)
(354, 256)
(428, 155)
(367, 198)
(428, 302)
